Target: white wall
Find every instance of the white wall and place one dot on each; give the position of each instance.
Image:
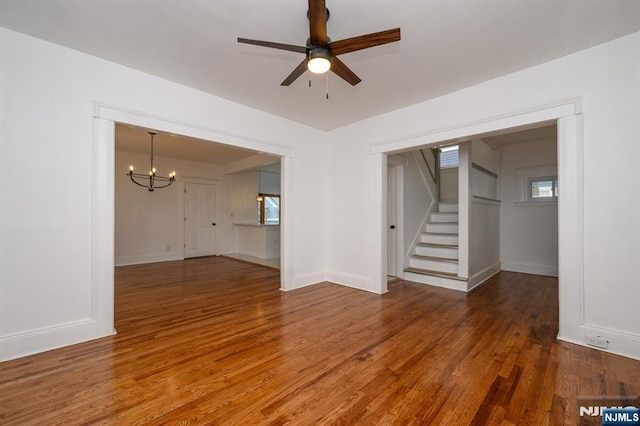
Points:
(269, 183)
(484, 156)
(529, 230)
(149, 225)
(484, 184)
(606, 78)
(449, 185)
(242, 190)
(47, 274)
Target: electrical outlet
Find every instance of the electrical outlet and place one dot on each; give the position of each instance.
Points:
(597, 341)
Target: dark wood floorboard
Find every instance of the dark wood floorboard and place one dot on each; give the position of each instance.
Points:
(214, 341)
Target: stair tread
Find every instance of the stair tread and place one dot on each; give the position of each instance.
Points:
(441, 233)
(435, 273)
(437, 245)
(441, 259)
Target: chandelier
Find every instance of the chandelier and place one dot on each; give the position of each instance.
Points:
(150, 181)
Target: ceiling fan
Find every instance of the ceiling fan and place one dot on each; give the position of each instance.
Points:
(321, 54)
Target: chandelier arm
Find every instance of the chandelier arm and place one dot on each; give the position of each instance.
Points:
(156, 177)
(164, 186)
(132, 176)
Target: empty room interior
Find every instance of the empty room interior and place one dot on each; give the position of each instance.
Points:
(310, 212)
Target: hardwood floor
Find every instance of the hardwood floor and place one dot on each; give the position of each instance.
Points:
(214, 341)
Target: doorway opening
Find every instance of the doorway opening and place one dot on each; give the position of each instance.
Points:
(567, 117)
(200, 214)
(103, 203)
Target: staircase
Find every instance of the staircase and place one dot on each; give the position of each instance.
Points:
(435, 258)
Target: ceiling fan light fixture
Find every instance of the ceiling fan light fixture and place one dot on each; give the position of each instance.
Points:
(319, 60)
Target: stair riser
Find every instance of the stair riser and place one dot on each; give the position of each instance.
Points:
(440, 217)
(439, 239)
(448, 207)
(447, 228)
(434, 265)
(444, 252)
(436, 281)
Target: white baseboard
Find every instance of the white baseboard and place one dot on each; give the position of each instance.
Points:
(351, 280)
(620, 343)
(139, 259)
(305, 280)
(45, 339)
(258, 255)
(547, 270)
(482, 276)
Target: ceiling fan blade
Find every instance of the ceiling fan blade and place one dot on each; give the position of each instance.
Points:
(363, 42)
(281, 46)
(300, 69)
(318, 22)
(338, 67)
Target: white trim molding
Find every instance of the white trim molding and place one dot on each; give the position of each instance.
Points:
(516, 121)
(568, 116)
(103, 145)
(123, 115)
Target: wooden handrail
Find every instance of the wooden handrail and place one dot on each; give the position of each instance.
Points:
(483, 170)
(478, 197)
(431, 172)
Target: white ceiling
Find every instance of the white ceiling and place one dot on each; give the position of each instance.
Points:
(445, 46)
(533, 134)
(137, 139)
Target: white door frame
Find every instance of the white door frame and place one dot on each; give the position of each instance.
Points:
(396, 165)
(103, 189)
(568, 116)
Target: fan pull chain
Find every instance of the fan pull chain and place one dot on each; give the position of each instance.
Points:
(327, 85)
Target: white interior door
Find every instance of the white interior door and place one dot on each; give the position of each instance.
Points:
(199, 220)
(392, 211)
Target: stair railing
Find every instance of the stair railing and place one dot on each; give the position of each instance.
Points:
(434, 171)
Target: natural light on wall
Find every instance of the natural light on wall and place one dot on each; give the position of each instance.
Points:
(449, 156)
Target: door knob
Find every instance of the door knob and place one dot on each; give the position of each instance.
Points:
(392, 227)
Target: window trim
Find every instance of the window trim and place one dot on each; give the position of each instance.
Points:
(554, 188)
(261, 208)
(524, 175)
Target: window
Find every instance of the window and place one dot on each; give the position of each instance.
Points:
(449, 156)
(269, 209)
(543, 188)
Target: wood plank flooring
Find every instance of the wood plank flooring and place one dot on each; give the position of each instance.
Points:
(214, 341)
